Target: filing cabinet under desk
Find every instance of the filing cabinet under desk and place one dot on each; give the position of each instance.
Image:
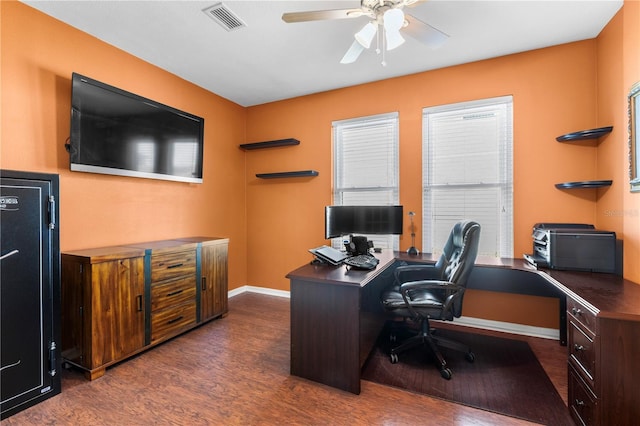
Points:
(603, 370)
(119, 301)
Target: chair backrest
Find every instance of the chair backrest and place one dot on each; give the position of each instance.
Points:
(458, 257)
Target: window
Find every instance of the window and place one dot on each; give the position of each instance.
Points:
(467, 173)
(365, 167)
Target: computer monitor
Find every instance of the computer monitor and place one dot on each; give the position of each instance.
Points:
(366, 220)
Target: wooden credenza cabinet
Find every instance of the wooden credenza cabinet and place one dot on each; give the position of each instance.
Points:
(119, 301)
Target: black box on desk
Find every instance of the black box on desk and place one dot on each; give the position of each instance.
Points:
(575, 247)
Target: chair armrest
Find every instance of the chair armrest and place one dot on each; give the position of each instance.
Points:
(430, 285)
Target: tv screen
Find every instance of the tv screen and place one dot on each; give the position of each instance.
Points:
(368, 220)
(120, 133)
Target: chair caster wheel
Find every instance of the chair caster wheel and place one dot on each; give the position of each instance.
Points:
(470, 356)
(394, 358)
(445, 373)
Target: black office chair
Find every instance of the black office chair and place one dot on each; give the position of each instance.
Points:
(423, 292)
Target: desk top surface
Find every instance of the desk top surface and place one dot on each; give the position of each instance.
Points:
(608, 294)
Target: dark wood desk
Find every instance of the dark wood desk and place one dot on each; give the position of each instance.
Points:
(336, 317)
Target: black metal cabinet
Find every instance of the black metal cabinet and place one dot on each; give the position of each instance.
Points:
(29, 289)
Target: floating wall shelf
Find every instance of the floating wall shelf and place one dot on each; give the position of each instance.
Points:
(584, 184)
(270, 144)
(585, 134)
(298, 173)
(579, 136)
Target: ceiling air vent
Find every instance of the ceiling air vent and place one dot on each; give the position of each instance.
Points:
(225, 17)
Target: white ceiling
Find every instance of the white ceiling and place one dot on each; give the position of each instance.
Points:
(270, 60)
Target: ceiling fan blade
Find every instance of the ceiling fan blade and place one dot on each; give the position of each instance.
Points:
(319, 15)
(352, 54)
(424, 32)
(413, 3)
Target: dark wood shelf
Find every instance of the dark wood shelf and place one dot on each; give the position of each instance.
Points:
(298, 173)
(584, 184)
(585, 134)
(270, 144)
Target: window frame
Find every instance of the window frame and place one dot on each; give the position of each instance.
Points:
(499, 233)
(389, 192)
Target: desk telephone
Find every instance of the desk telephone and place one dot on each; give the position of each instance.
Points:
(358, 245)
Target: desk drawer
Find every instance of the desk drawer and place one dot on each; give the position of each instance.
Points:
(582, 314)
(582, 402)
(172, 265)
(168, 322)
(175, 292)
(582, 351)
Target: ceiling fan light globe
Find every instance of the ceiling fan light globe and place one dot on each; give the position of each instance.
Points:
(366, 34)
(393, 19)
(394, 39)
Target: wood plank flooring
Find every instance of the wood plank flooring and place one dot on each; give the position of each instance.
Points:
(235, 370)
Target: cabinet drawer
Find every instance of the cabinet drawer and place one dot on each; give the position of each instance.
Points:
(172, 293)
(172, 265)
(582, 314)
(171, 321)
(582, 403)
(581, 350)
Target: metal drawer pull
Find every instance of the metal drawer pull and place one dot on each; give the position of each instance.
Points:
(139, 301)
(173, 293)
(204, 283)
(576, 311)
(578, 347)
(175, 320)
(175, 265)
(579, 403)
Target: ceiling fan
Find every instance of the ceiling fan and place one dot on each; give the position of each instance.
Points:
(386, 20)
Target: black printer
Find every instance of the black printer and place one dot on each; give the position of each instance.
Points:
(573, 246)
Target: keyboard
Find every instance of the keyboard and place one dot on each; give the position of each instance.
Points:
(362, 261)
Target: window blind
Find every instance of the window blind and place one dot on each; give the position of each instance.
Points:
(366, 166)
(467, 173)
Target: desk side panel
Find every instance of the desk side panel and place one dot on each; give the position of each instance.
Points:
(325, 333)
(619, 371)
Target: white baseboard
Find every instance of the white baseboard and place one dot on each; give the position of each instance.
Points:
(261, 290)
(505, 327)
(509, 327)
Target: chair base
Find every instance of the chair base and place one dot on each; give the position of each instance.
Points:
(427, 337)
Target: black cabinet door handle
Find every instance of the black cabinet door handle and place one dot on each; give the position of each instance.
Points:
(171, 321)
(175, 265)
(173, 293)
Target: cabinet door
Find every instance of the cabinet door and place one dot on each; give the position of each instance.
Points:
(29, 291)
(213, 284)
(117, 307)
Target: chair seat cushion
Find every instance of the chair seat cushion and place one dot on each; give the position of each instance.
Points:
(427, 303)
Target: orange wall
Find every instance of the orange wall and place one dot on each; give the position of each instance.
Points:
(618, 69)
(555, 91)
(272, 223)
(38, 56)
(630, 74)
(550, 98)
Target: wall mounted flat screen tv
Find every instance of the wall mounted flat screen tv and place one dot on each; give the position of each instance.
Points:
(119, 133)
(367, 220)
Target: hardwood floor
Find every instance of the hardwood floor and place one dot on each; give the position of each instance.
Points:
(235, 370)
